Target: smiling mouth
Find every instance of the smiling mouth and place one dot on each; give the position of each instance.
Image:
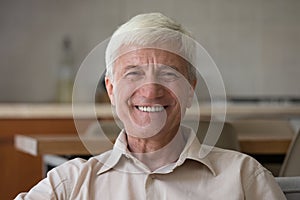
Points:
(151, 108)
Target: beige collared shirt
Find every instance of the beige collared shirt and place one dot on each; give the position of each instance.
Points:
(116, 174)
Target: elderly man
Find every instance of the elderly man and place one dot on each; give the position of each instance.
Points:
(155, 157)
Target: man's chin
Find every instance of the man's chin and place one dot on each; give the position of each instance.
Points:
(144, 130)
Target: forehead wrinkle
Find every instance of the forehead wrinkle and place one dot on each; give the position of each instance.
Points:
(154, 57)
(150, 54)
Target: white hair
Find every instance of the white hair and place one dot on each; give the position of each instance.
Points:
(151, 30)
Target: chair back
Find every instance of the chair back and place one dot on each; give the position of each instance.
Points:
(290, 187)
(291, 163)
(227, 140)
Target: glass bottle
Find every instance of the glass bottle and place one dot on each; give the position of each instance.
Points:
(66, 72)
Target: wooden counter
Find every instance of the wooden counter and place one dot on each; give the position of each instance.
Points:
(103, 111)
(60, 144)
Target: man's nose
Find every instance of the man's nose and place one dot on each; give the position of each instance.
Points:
(152, 90)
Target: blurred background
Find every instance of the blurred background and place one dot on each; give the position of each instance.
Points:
(255, 44)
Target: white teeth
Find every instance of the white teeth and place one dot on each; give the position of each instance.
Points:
(151, 108)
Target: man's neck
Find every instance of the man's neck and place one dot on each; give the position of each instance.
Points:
(155, 153)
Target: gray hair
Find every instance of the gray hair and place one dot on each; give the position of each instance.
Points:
(151, 30)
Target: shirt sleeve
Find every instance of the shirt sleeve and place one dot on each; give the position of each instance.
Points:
(43, 190)
(263, 186)
(57, 184)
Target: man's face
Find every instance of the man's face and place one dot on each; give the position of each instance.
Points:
(150, 91)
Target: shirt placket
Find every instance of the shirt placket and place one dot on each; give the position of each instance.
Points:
(150, 189)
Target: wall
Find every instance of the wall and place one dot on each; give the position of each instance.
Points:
(255, 44)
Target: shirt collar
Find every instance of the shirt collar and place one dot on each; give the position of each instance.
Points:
(195, 151)
(192, 150)
(119, 149)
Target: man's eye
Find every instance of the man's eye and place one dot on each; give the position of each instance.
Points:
(133, 75)
(169, 76)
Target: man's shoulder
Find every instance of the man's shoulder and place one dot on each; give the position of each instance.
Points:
(224, 159)
(231, 155)
(102, 158)
(80, 165)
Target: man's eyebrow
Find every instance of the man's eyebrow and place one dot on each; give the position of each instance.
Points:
(128, 67)
(172, 66)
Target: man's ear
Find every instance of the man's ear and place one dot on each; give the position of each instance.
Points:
(110, 89)
(191, 93)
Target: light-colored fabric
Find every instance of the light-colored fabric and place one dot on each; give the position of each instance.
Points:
(116, 174)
